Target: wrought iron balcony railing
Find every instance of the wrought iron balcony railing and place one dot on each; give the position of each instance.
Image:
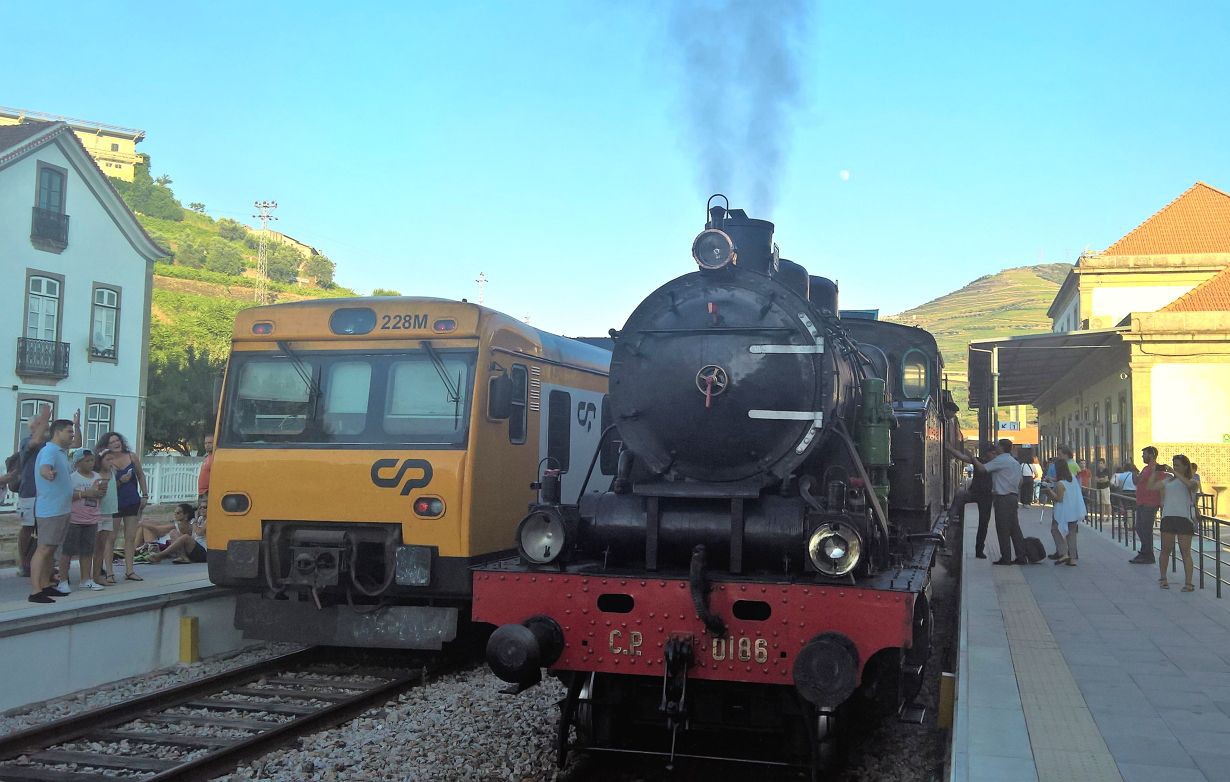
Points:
(42, 357)
(48, 227)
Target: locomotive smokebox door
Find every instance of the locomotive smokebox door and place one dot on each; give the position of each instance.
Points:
(721, 378)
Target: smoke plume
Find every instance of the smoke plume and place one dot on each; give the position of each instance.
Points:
(740, 85)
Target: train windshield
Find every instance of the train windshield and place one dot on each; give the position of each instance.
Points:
(407, 399)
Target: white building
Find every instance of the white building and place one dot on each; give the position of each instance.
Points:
(75, 299)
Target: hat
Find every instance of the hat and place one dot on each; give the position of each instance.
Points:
(77, 454)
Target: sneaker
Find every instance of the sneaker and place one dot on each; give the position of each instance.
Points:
(39, 597)
(63, 588)
(93, 586)
(49, 592)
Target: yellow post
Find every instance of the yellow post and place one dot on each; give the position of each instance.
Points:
(189, 640)
(948, 691)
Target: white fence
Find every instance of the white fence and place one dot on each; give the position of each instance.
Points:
(169, 479)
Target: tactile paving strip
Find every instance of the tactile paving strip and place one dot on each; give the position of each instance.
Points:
(1066, 742)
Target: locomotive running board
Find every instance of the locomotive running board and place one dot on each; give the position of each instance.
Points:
(788, 415)
(806, 349)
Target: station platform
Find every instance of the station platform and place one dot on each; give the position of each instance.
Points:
(86, 638)
(1087, 673)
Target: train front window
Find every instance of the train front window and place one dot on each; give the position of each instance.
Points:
(404, 399)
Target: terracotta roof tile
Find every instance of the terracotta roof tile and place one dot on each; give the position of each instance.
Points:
(1198, 221)
(12, 135)
(1212, 295)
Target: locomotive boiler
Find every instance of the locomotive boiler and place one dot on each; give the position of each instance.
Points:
(761, 559)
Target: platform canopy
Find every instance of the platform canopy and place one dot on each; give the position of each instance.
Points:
(1029, 365)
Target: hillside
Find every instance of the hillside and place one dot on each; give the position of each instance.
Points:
(1013, 301)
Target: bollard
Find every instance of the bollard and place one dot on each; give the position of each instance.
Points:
(189, 640)
(948, 691)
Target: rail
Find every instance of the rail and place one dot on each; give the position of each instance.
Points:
(168, 481)
(1116, 512)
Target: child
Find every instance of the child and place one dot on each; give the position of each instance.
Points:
(82, 522)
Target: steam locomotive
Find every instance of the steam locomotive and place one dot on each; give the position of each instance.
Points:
(761, 560)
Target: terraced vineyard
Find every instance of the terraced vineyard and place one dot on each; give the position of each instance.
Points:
(1013, 301)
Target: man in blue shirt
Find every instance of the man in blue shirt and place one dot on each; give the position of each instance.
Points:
(52, 506)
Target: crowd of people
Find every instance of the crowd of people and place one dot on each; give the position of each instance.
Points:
(1004, 478)
(75, 501)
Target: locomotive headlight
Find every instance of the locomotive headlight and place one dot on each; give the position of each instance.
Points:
(713, 249)
(834, 548)
(542, 536)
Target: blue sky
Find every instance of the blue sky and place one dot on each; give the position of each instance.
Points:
(550, 145)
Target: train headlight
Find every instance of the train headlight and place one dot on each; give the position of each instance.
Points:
(834, 548)
(713, 249)
(542, 536)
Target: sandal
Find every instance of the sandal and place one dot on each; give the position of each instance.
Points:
(1188, 588)
(132, 577)
(1164, 585)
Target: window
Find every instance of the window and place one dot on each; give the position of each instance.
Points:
(42, 308)
(914, 381)
(27, 408)
(517, 421)
(50, 189)
(559, 430)
(425, 399)
(115, 147)
(98, 417)
(105, 318)
(348, 399)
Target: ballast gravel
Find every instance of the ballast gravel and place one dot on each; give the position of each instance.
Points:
(49, 711)
(458, 727)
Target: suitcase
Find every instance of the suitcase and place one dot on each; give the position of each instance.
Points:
(1034, 550)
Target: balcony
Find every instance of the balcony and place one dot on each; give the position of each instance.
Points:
(42, 358)
(49, 230)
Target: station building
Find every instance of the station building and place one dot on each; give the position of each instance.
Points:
(114, 148)
(75, 307)
(1139, 352)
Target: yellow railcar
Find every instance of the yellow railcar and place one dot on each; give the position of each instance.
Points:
(371, 451)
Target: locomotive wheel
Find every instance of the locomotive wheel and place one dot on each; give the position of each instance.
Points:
(583, 717)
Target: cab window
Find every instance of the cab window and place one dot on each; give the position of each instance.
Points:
(559, 430)
(273, 399)
(517, 421)
(347, 387)
(423, 400)
(915, 383)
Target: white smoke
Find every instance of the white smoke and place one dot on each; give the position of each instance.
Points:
(740, 66)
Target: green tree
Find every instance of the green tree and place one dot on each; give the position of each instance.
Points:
(191, 255)
(283, 262)
(232, 230)
(385, 292)
(181, 406)
(197, 207)
(321, 269)
(149, 197)
(224, 258)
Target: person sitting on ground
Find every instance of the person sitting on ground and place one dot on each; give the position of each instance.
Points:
(158, 532)
(79, 541)
(189, 546)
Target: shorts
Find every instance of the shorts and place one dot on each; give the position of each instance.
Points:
(79, 541)
(51, 530)
(105, 525)
(196, 553)
(1177, 525)
(127, 511)
(25, 506)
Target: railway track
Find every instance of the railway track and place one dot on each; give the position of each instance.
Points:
(204, 728)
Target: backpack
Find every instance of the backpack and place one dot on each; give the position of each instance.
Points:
(1034, 550)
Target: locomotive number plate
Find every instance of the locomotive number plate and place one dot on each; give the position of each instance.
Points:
(628, 644)
(739, 649)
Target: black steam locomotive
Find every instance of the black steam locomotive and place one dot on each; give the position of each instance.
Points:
(762, 559)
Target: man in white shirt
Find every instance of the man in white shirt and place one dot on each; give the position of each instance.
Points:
(1005, 472)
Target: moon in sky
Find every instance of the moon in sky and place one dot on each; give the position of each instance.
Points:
(844, 174)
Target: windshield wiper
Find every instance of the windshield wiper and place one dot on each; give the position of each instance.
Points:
(305, 375)
(454, 391)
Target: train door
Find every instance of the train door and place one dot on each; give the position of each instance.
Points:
(570, 430)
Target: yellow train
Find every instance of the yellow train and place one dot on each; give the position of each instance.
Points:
(371, 451)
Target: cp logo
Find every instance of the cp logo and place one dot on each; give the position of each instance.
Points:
(586, 413)
(385, 482)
